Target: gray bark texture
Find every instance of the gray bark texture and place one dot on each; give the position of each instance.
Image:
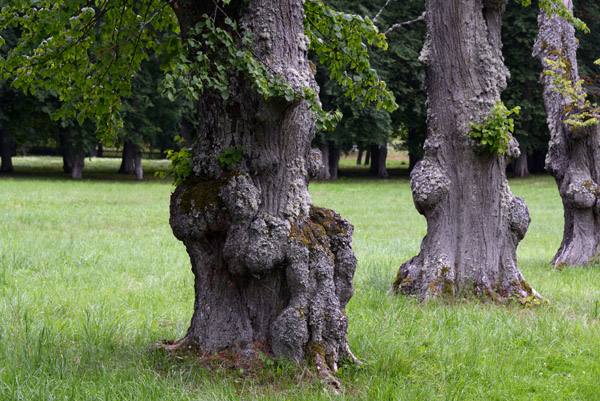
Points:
(573, 156)
(474, 223)
(272, 272)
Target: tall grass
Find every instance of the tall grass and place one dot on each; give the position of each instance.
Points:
(91, 275)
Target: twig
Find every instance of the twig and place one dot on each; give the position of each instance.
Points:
(379, 12)
(398, 25)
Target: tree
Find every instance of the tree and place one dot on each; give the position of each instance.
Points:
(474, 223)
(272, 272)
(574, 150)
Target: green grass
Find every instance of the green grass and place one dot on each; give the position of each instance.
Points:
(90, 275)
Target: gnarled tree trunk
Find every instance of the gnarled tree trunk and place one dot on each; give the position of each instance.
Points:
(474, 223)
(272, 272)
(573, 156)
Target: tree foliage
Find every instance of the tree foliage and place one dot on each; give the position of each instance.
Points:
(88, 52)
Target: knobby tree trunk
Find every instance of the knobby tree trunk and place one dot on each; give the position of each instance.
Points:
(378, 160)
(272, 272)
(129, 151)
(573, 156)
(474, 223)
(334, 161)
(6, 148)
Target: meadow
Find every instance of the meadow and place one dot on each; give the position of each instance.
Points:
(91, 275)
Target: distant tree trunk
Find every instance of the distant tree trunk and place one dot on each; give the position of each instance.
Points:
(378, 161)
(100, 151)
(520, 165)
(127, 158)
(334, 161)
(24, 150)
(272, 272)
(323, 173)
(6, 147)
(359, 157)
(66, 151)
(367, 157)
(573, 156)
(139, 172)
(78, 162)
(474, 223)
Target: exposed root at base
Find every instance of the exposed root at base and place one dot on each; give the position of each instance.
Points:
(326, 376)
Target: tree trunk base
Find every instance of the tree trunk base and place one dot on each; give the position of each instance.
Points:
(264, 283)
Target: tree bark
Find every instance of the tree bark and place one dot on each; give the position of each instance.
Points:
(129, 150)
(272, 272)
(359, 157)
(6, 148)
(378, 160)
(334, 161)
(573, 156)
(367, 157)
(100, 151)
(474, 223)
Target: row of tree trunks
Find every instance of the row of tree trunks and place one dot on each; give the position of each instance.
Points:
(6, 153)
(573, 156)
(272, 272)
(474, 223)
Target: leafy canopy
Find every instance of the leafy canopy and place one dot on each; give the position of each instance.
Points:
(89, 51)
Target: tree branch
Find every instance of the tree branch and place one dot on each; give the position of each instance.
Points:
(398, 25)
(379, 12)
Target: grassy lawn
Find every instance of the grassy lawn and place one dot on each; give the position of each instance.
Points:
(90, 275)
